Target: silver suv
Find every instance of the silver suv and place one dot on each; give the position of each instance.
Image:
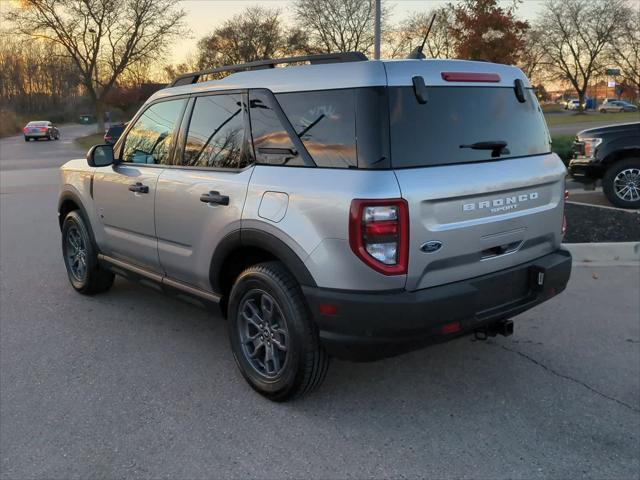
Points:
(344, 207)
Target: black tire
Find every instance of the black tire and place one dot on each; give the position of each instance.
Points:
(303, 366)
(26, 139)
(616, 172)
(91, 279)
(49, 137)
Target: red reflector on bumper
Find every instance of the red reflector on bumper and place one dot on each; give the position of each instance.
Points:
(452, 327)
(327, 309)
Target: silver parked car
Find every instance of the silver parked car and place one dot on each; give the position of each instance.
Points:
(40, 129)
(346, 208)
(617, 106)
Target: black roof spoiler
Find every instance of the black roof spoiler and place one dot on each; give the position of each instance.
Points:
(194, 77)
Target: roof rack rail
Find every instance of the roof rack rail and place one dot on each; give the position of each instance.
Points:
(189, 78)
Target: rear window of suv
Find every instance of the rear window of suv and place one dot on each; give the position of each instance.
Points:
(432, 133)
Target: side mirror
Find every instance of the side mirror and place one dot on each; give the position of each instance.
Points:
(100, 156)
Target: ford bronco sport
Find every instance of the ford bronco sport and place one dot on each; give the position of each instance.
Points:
(343, 207)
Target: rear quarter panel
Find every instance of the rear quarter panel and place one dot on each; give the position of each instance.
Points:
(316, 223)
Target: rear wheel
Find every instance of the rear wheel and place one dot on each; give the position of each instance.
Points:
(274, 341)
(26, 139)
(621, 183)
(81, 257)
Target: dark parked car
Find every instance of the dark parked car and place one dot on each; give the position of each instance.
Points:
(612, 154)
(113, 133)
(40, 129)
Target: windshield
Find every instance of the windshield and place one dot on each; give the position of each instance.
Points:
(464, 124)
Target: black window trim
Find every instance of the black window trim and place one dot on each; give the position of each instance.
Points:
(309, 162)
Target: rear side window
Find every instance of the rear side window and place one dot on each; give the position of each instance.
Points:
(325, 122)
(216, 135)
(271, 142)
(432, 133)
(151, 138)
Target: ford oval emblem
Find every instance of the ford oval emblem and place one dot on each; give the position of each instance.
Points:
(431, 246)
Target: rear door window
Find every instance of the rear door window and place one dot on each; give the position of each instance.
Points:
(216, 134)
(325, 122)
(432, 133)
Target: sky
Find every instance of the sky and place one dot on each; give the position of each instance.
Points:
(205, 15)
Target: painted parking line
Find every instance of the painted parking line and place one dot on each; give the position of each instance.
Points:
(587, 204)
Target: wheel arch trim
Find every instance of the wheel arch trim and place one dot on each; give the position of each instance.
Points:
(67, 196)
(251, 237)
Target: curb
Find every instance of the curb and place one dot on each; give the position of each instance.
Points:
(605, 254)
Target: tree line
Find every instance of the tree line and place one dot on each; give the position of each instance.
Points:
(57, 50)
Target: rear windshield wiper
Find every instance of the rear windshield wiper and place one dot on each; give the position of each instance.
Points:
(497, 147)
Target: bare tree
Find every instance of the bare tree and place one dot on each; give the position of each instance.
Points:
(624, 50)
(103, 38)
(339, 25)
(533, 55)
(35, 77)
(576, 33)
(255, 34)
(412, 30)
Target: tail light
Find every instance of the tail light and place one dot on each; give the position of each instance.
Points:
(379, 234)
(563, 230)
(25, 130)
(43, 129)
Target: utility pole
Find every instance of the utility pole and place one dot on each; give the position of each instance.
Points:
(378, 16)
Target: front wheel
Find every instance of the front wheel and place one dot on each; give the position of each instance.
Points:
(274, 341)
(621, 183)
(81, 257)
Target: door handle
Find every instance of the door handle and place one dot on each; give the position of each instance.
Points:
(214, 197)
(138, 188)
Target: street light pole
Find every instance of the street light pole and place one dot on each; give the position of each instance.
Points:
(378, 16)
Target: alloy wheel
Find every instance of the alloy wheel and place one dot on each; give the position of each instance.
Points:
(626, 184)
(263, 332)
(76, 254)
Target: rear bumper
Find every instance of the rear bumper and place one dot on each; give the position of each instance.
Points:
(368, 326)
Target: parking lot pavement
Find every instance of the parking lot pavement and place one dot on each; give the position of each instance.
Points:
(130, 383)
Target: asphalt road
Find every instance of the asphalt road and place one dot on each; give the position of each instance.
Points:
(133, 384)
